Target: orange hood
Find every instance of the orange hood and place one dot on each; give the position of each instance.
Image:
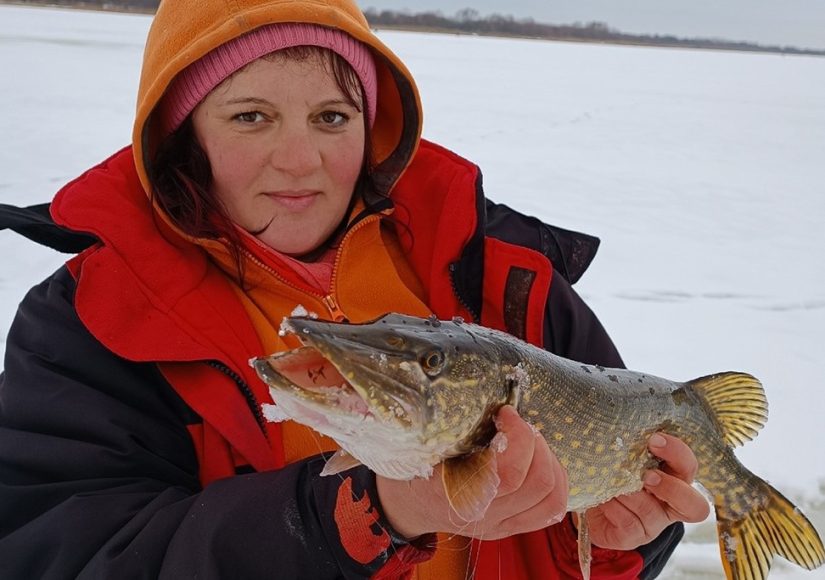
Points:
(185, 30)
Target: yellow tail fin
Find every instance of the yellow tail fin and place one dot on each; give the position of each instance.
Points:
(774, 527)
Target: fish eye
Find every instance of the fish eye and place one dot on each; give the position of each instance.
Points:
(432, 362)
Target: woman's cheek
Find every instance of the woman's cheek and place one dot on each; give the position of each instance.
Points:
(345, 162)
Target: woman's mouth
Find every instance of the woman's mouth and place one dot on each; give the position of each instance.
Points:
(294, 200)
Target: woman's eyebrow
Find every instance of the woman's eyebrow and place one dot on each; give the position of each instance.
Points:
(260, 101)
(244, 101)
(330, 102)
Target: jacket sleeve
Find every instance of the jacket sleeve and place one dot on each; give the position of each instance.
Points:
(572, 330)
(99, 477)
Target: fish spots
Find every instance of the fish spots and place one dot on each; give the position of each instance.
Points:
(539, 425)
(574, 491)
(586, 369)
(591, 471)
(558, 436)
(433, 321)
(533, 413)
(442, 402)
(613, 378)
(600, 368)
(575, 444)
(568, 420)
(599, 448)
(652, 391)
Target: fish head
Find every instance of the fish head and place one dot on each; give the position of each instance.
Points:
(413, 385)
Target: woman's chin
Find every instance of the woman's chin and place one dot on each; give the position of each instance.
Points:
(293, 248)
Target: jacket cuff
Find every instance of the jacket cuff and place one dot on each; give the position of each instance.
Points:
(362, 539)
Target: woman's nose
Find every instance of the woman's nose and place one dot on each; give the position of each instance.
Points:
(297, 152)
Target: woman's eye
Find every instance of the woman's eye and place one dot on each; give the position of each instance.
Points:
(249, 117)
(333, 119)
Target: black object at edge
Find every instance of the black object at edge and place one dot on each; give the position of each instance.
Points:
(35, 223)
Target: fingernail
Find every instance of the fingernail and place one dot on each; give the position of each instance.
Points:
(499, 442)
(657, 440)
(652, 478)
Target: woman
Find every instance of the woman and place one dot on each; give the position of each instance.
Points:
(277, 162)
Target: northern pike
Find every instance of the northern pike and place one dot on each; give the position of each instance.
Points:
(402, 394)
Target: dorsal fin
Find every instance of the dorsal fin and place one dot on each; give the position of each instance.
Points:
(738, 401)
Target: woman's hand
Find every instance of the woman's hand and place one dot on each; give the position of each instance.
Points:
(628, 521)
(532, 493)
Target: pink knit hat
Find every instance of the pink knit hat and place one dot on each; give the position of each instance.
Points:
(192, 85)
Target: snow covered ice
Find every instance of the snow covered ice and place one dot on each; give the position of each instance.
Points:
(702, 172)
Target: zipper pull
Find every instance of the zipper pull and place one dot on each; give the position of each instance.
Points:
(334, 310)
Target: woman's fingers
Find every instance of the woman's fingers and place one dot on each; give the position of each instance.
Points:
(544, 495)
(678, 457)
(532, 493)
(679, 499)
(519, 441)
(671, 484)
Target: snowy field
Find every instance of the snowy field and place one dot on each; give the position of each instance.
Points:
(702, 172)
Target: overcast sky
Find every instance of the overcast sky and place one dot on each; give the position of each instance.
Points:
(799, 23)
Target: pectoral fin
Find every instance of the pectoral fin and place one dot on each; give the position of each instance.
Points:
(339, 462)
(471, 482)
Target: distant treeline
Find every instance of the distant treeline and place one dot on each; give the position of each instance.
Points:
(469, 21)
(144, 6)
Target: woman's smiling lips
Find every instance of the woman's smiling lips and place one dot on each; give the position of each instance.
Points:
(294, 200)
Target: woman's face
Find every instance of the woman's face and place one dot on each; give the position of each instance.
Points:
(286, 149)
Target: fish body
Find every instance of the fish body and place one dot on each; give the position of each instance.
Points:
(402, 394)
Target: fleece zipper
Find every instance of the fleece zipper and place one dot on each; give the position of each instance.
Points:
(246, 391)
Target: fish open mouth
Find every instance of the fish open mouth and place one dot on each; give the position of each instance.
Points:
(304, 372)
(304, 381)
